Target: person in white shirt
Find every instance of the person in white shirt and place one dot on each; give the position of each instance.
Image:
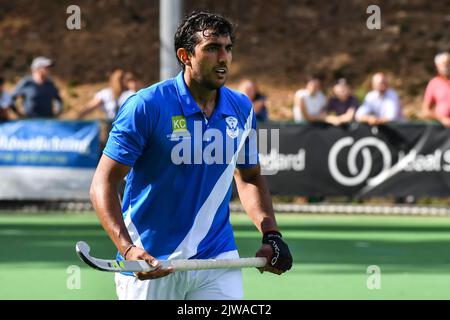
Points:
(108, 99)
(380, 105)
(310, 103)
(5, 101)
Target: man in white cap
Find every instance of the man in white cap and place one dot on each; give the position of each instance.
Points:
(40, 97)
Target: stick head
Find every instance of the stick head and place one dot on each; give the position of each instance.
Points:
(83, 250)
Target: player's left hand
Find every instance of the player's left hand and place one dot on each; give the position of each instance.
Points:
(276, 251)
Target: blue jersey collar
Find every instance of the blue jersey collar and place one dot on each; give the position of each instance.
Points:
(190, 106)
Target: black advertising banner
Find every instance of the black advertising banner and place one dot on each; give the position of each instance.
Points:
(356, 160)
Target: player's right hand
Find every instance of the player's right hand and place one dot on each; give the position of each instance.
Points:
(276, 251)
(136, 253)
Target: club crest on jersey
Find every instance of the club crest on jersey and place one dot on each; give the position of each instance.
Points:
(232, 127)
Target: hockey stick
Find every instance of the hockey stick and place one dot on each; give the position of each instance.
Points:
(83, 250)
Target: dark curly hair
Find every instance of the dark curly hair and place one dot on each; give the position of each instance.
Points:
(200, 21)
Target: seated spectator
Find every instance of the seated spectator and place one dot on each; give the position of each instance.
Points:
(5, 101)
(310, 103)
(342, 105)
(436, 103)
(38, 92)
(108, 99)
(258, 100)
(380, 105)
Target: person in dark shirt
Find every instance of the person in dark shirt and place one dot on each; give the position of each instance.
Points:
(249, 88)
(40, 97)
(342, 105)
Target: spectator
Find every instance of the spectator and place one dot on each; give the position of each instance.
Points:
(380, 105)
(131, 82)
(436, 103)
(342, 105)
(38, 92)
(258, 100)
(131, 86)
(108, 99)
(310, 103)
(5, 101)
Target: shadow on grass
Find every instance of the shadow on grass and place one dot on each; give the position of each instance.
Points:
(55, 244)
(351, 227)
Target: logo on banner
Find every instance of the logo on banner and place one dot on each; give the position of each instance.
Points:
(361, 147)
(232, 127)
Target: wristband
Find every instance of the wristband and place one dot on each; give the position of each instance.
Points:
(270, 235)
(126, 251)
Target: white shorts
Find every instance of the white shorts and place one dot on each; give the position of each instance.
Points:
(214, 284)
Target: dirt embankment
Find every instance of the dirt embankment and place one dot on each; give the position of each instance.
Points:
(279, 43)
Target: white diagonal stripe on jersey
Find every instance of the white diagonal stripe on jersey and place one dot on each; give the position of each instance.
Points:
(205, 216)
(132, 231)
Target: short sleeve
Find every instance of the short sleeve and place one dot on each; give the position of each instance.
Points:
(300, 94)
(364, 109)
(130, 132)
(354, 103)
(248, 155)
(429, 93)
(124, 96)
(323, 102)
(55, 92)
(330, 106)
(19, 89)
(5, 101)
(105, 95)
(393, 108)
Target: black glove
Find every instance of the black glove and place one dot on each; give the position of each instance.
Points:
(281, 258)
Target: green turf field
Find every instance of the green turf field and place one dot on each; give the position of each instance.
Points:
(331, 255)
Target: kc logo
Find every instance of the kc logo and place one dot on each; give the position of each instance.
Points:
(179, 123)
(361, 146)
